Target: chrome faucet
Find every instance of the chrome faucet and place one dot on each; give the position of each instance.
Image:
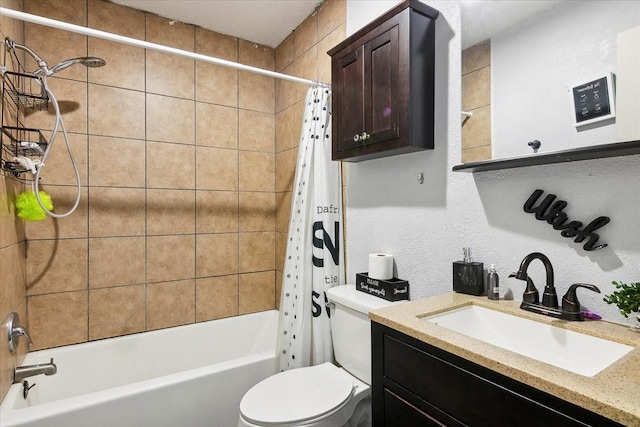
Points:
(22, 372)
(570, 309)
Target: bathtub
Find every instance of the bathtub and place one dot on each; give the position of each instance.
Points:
(187, 376)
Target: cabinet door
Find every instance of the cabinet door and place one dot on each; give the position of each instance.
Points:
(455, 391)
(381, 87)
(349, 101)
(400, 413)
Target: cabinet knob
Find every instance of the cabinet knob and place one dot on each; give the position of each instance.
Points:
(364, 137)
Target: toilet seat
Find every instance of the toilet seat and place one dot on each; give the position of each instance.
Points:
(297, 396)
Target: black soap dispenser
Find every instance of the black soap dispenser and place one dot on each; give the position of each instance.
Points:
(468, 276)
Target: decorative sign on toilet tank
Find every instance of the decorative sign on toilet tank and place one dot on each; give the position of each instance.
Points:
(393, 289)
(552, 211)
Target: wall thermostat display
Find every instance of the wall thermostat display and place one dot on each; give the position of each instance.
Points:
(593, 101)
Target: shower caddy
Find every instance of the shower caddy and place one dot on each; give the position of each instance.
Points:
(21, 91)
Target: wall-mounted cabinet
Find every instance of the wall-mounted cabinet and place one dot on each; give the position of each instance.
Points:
(383, 85)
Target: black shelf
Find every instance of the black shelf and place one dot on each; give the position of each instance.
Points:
(573, 155)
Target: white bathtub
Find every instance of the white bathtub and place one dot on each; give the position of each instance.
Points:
(187, 376)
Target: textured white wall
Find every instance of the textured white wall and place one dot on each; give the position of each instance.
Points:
(628, 85)
(534, 65)
(425, 226)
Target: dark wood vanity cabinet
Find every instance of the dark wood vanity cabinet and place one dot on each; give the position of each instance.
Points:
(415, 384)
(383, 85)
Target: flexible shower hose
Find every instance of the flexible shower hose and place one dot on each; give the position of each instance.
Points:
(36, 180)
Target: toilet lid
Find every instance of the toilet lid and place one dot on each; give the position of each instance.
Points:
(297, 395)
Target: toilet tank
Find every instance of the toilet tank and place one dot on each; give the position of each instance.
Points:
(351, 328)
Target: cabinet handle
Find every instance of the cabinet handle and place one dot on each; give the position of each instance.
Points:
(364, 137)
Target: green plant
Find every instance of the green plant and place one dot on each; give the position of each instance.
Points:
(627, 297)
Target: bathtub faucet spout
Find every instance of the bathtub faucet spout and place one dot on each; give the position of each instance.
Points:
(22, 372)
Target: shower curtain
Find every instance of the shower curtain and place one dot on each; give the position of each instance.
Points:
(314, 255)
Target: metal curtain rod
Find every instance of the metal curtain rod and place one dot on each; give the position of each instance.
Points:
(147, 45)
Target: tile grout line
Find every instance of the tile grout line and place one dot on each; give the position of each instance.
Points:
(146, 189)
(238, 76)
(195, 183)
(86, 39)
(275, 173)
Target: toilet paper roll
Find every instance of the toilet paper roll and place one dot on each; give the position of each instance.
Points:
(381, 266)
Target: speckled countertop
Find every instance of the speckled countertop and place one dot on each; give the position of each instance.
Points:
(613, 392)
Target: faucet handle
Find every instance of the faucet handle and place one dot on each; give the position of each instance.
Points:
(19, 330)
(530, 294)
(570, 303)
(14, 331)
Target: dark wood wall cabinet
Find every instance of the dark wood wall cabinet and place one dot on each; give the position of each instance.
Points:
(383, 85)
(416, 384)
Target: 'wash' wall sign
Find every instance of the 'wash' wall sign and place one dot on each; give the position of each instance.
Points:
(552, 212)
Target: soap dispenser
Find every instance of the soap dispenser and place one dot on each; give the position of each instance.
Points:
(468, 276)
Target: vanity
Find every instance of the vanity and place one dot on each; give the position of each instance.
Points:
(424, 374)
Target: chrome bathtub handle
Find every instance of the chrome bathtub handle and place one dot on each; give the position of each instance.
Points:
(15, 331)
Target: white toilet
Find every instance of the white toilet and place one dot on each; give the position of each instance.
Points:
(323, 395)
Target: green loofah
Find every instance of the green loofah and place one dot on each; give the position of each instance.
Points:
(27, 206)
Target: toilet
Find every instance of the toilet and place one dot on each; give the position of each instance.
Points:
(324, 395)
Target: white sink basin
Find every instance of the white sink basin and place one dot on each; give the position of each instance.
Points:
(573, 351)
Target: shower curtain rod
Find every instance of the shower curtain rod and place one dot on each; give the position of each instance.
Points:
(35, 19)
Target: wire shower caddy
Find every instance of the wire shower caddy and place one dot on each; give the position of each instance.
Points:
(21, 91)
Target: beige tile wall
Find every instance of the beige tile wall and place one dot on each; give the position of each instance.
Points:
(476, 97)
(12, 240)
(177, 216)
(186, 170)
(303, 54)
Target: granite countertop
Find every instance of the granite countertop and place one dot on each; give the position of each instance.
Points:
(613, 392)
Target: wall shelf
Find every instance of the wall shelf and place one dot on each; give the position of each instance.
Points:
(576, 154)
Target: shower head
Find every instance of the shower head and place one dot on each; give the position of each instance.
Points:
(87, 61)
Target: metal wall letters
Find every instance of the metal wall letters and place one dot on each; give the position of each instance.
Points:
(552, 212)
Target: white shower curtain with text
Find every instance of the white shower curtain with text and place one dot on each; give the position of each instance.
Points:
(314, 255)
